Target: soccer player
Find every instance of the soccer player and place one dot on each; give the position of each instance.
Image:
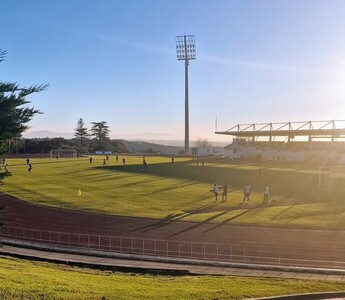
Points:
(225, 192)
(247, 189)
(215, 191)
(266, 191)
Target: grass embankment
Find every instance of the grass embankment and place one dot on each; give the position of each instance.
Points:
(179, 191)
(22, 279)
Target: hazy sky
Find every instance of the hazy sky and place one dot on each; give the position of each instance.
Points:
(115, 61)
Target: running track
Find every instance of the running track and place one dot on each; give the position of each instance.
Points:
(25, 215)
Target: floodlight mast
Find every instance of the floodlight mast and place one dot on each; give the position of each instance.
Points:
(185, 50)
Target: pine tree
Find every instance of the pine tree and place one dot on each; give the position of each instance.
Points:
(100, 130)
(81, 131)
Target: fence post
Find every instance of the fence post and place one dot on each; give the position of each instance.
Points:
(143, 247)
(179, 249)
(99, 242)
(204, 252)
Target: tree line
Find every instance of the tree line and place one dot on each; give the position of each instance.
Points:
(84, 141)
(96, 138)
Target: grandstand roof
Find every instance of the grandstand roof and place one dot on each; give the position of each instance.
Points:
(312, 129)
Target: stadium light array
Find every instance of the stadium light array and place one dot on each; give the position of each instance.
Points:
(185, 50)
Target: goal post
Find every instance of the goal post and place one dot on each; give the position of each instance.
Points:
(63, 153)
(332, 178)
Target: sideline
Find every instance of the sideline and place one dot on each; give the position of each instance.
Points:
(157, 267)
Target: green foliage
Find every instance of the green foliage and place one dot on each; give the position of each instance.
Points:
(22, 279)
(81, 132)
(100, 131)
(3, 54)
(13, 116)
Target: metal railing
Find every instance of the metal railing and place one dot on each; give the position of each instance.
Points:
(245, 254)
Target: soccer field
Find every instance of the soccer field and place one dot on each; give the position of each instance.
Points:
(179, 191)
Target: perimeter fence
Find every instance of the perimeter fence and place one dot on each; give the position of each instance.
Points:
(211, 252)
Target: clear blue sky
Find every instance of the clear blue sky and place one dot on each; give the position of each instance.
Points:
(115, 61)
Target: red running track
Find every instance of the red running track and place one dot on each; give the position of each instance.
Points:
(25, 215)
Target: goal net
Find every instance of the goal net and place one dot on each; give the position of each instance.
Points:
(63, 153)
(332, 178)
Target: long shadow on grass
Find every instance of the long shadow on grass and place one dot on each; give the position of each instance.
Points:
(196, 225)
(171, 218)
(171, 188)
(227, 221)
(143, 182)
(283, 180)
(283, 211)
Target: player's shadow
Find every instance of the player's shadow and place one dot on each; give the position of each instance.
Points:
(171, 218)
(170, 188)
(196, 225)
(227, 221)
(283, 212)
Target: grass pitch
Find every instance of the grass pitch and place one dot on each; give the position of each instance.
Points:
(180, 190)
(22, 279)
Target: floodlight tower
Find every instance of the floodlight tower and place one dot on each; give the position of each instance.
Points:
(185, 50)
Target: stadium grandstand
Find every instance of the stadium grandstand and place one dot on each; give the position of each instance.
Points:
(310, 140)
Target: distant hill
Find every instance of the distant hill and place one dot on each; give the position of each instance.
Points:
(157, 145)
(47, 134)
(141, 146)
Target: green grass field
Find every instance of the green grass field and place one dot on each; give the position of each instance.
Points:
(180, 190)
(22, 279)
